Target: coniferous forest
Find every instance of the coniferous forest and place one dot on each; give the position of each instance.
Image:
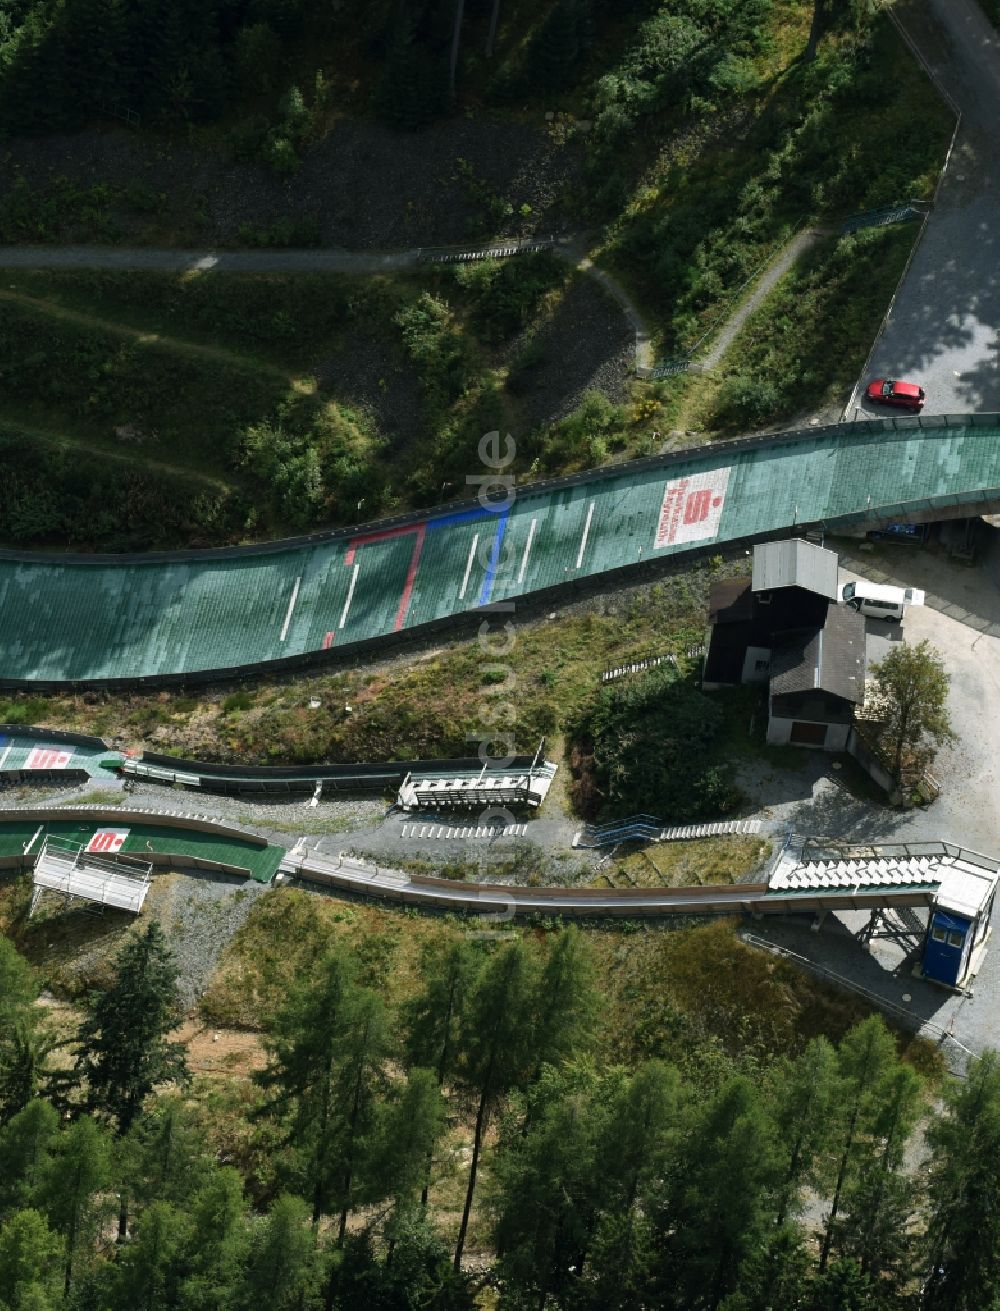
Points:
(833, 1180)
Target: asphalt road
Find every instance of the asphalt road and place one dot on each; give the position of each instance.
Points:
(944, 327)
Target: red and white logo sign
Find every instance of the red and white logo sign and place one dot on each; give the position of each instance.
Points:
(47, 758)
(107, 839)
(692, 508)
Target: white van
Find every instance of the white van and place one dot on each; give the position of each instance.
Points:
(880, 602)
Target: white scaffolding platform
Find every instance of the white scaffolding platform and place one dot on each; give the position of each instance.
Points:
(68, 869)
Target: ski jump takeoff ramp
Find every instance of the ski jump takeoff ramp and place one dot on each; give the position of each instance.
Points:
(135, 620)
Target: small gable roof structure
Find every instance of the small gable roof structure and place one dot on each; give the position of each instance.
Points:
(795, 563)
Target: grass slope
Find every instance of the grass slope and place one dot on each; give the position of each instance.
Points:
(291, 399)
(804, 346)
(419, 705)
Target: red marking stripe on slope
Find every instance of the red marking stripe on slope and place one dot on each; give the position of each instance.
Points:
(411, 573)
(384, 536)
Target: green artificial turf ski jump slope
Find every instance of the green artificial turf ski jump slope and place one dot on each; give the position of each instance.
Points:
(67, 619)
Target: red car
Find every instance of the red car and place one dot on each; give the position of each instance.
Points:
(903, 395)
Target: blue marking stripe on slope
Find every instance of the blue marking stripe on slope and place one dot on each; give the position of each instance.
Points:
(491, 568)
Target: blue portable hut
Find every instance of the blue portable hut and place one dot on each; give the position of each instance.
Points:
(959, 922)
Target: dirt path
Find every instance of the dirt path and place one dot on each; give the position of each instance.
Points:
(760, 290)
(218, 353)
(572, 250)
(142, 259)
(577, 256)
(15, 428)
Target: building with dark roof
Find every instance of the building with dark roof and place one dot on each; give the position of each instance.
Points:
(784, 627)
(817, 680)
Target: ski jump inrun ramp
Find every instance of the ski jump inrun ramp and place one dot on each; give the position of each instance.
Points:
(138, 619)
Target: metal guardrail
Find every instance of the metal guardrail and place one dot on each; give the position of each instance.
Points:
(904, 212)
(813, 847)
(667, 368)
(115, 109)
(841, 981)
(637, 667)
(644, 828)
(497, 250)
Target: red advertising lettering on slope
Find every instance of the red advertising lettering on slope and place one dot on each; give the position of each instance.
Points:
(46, 758)
(107, 839)
(692, 508)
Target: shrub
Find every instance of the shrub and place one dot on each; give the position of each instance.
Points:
(258, 58)
(651, 744)
(280, 155)
(236, 702)
(744, 402)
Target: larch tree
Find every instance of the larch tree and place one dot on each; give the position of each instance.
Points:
(805, 1098)
(433, 1018)
(492, 34)
(76, 1174)
(26, 1144)
(640, 1115)
(456, 38)
(150, 1269)
(963, 1229)
(547, 1183)
(715, 1204)
(304, 1043)
(282, 1265)
(218, 1248)
(866, 1058)
(567, 1001)
(497, 1043)
(880, 1201)
(29, 1263)
(361, 1078)
(409, 1128)
(26, 1041)
(162, 1158)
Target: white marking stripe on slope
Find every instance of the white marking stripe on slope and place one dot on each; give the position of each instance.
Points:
(291, 607)
(350, 596)
(527, 552)
(468, 567)
(586, 534)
